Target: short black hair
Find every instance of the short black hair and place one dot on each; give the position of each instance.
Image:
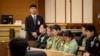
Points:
(68, 33)
(18, 47)
(50, 27)
(85, 25)
(36, 53)
(44, 26)
(32, 5)
(56, 27)
(91, 28)
(60, 33)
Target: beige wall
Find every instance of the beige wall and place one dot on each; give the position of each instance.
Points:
(68, 11)
(76, 11)
(50, 11)
(60, 11)
(87, 11)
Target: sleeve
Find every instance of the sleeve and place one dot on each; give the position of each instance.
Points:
(73, 48)
(43, 45)
(80, 41)
(58, 45)
(49, 43)
(27, 26)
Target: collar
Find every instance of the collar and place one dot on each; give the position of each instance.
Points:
(33, 15)
(91, 38)
(72, 41)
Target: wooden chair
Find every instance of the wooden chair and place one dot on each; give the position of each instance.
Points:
(3, 48)
(11, 33)
(52, 52)
(36, 53)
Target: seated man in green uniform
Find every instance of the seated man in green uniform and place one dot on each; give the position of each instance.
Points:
(60, 43)
(82, 41)
(71, 45)
(55, 30)
(50, 39)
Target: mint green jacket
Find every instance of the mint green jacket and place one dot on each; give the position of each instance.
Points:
(71, 47)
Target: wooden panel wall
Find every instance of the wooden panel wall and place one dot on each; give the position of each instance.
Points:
(41, 8)
(18, 8)
(96, 12)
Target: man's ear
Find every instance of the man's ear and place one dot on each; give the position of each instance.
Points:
(92, 32)
(58, 30)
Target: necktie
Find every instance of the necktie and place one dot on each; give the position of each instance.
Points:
(34, 20)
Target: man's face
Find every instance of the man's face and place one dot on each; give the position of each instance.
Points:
(55, 32)
(42, 29)
(83, 31)
(33, 10)
(89, 33)
(49, 32)
(67, 39)
(99, 37)
(61, 37)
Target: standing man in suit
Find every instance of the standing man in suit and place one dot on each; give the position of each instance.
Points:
(32, 23)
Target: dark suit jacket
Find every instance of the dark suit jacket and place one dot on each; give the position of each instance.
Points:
(30, 26)
(92, 45)
(41, 41)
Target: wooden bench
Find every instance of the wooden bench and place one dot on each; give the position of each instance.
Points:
(53, 53)
(4, 51)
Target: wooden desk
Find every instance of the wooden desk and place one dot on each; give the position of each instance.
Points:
(81, 48)
(4, 31)
(53, 53)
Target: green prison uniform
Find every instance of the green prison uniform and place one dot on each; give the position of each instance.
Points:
(54, 44)
(71, 47)
(84, 41)
(60, 45)
(49, 43)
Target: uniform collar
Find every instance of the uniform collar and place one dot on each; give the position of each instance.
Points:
(33, 15)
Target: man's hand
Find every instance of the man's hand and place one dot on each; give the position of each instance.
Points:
(34, 34)
(86, 54)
